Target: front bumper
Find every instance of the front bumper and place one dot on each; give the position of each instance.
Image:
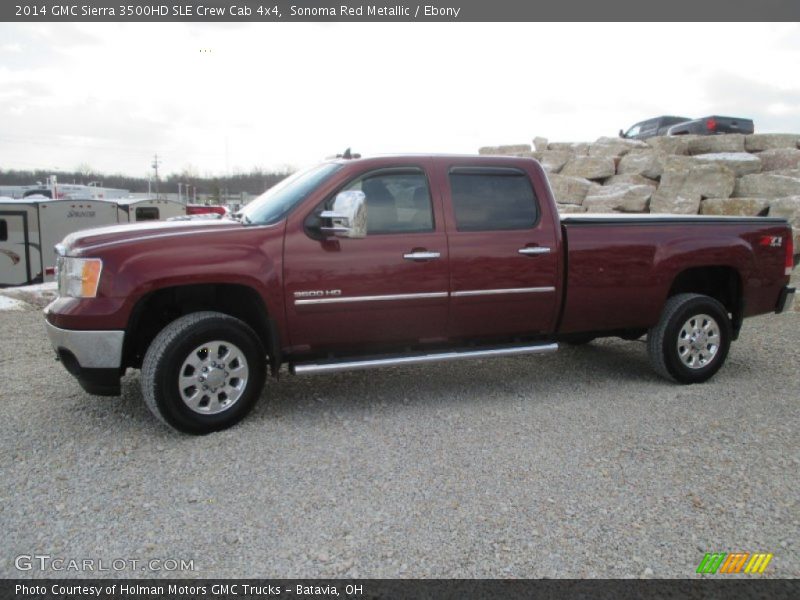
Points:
(93, 357)
(785, 300)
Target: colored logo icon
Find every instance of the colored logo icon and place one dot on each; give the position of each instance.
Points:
(736, 562)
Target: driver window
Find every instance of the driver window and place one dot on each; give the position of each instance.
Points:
(397, 201)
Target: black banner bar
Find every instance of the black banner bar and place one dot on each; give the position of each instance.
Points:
(215, 11)
(239, 589)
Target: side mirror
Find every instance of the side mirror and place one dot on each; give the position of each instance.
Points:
(348, 215)
(621, 133)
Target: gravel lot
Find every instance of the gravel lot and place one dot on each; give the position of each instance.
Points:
(578, 464)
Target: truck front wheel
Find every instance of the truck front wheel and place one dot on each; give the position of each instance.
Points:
(691, 340)
(203, 372)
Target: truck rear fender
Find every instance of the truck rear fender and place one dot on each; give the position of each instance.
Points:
(718, 271)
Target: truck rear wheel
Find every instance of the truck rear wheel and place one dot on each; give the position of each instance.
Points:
(203, 372)
(691, 340)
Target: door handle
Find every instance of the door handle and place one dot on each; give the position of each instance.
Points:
(421, 255)
(534, 251)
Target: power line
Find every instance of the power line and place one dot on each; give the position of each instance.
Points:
(155, 168)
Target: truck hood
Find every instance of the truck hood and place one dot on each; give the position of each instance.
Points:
(89, 240)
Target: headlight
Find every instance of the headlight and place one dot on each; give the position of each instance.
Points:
(78, 277)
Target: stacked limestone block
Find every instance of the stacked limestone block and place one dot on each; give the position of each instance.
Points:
(733, 174)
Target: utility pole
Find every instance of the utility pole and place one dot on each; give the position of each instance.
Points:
(155, 168)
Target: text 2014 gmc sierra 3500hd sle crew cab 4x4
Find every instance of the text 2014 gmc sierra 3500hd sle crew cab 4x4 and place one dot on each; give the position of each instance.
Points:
(397, 260)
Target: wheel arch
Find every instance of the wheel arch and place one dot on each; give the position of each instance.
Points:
(156, 309)
(724, 283)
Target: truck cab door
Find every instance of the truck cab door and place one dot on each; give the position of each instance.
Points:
(387, 289)
(504, 264)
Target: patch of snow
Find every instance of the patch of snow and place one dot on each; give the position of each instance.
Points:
(50, 286)
(7, 303)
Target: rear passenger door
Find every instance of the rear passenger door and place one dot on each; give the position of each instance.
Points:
(503, 259)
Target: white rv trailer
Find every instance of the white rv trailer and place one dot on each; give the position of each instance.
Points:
(148, 209)
(31, 227)
(20, 251)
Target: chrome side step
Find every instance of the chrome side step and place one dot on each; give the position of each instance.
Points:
(413, 359)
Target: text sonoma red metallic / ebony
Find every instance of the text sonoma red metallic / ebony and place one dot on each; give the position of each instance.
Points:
(398, 260)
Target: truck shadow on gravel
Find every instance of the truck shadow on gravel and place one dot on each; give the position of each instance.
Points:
(460, 384)
(604, 366)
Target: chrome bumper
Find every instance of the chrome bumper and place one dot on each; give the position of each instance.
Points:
(92, 349)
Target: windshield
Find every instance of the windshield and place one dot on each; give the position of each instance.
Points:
(633, 130)
(274, 204)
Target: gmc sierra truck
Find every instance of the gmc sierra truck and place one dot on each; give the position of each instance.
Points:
(399, 260)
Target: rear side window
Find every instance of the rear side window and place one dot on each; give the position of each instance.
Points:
(492, 199)
(147, 213)
(3, 230)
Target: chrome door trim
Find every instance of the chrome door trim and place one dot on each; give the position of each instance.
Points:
(457, 294)
(530, 290)
(421, 255)
(534, 251)
(342, 299)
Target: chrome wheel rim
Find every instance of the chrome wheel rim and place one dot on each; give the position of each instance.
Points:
(698, 341)
(213, 377)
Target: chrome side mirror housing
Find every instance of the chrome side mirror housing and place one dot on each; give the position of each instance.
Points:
(348, 215)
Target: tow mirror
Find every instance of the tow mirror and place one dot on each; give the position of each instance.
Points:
(621, 133)
(347, 216)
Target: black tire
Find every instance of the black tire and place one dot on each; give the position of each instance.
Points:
(174, 345)
(662, 340)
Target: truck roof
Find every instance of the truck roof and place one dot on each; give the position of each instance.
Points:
(411, 157)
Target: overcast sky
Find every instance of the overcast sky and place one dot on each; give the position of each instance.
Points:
(220, 98)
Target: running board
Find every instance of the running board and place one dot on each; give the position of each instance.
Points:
(414, 359)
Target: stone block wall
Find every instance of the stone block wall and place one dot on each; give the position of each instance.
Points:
(731, 174)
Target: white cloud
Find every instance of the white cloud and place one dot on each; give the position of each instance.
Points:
(219, 97)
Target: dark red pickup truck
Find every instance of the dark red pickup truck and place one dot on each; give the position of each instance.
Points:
(396, 260)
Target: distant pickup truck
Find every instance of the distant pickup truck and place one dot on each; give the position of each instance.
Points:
(668, 125)
(205, 209)
(399, 260)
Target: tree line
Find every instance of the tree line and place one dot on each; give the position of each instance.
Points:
(253, 182)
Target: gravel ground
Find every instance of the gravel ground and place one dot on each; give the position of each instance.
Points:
(578, 464)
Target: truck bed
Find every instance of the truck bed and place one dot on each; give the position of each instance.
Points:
(620, 267)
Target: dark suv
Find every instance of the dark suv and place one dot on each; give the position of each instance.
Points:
(651, 128)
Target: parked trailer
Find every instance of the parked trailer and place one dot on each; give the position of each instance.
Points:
(20, 251)
(148, 209)
(31, 227)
